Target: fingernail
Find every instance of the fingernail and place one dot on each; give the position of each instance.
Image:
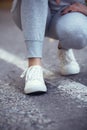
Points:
(69, 11)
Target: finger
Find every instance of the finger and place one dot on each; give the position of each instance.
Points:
(58, 1)
(67, 10)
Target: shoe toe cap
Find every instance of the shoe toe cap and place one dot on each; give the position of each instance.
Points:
(70, 69)
(34, 86)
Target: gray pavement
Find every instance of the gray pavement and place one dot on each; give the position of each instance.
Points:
(63, 107)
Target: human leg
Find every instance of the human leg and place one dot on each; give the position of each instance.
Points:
(33, 24)
(71, 30)
(33, 17)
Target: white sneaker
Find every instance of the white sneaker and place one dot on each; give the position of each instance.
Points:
(34, 81)
(68, 63)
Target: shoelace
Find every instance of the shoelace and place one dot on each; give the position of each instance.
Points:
(32, 73)
(65, 57)
(24, 73)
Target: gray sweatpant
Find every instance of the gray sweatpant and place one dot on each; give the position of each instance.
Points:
(40, 20)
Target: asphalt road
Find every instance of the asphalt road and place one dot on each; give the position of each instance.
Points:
(63, 107)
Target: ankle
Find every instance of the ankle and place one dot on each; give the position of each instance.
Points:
(59, 46)
(34, 61)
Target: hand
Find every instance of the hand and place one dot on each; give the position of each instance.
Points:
(76, 7)
(58, 1)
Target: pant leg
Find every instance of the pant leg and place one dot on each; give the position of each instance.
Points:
(70, 30)
(33, 18)
(48, 21)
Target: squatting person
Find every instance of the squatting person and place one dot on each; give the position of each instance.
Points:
(63, 20)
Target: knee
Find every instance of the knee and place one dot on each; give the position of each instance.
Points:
(79, 41)
(73, 39)
(72, 32)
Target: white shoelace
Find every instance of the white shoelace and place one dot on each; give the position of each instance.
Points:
(24, 73)
(33, 73)
(65, 57)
